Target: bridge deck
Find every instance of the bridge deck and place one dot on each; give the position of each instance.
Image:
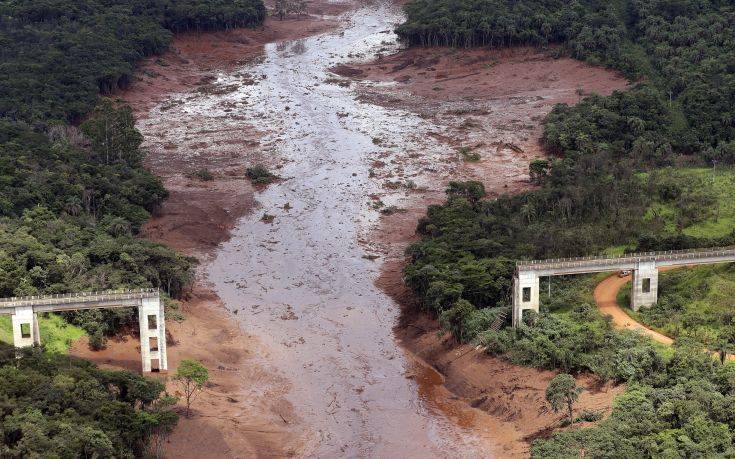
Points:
(75, 301)
(581, 265)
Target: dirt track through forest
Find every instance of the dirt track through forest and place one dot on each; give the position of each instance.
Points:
(606, 294)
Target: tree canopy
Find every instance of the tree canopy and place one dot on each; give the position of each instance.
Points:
(56, 406)
(57, 55)
(632, 171)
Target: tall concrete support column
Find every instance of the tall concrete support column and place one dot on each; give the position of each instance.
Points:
(525, 294)
(25, 327)
(644, 291)
(152, 335)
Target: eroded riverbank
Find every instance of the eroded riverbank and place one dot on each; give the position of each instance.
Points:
(317, 370)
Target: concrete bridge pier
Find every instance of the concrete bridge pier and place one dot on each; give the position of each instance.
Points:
(525, 294)
(25, 327)
(644, 289)
(152, 335)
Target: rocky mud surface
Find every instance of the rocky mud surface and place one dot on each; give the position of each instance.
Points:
(299, 289)
(488, 104)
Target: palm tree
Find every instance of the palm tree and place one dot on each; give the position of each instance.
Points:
(73, 206)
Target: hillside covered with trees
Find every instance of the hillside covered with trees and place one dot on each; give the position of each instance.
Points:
(73, 196)
(56, 56)
(629, 172)
(55, 406)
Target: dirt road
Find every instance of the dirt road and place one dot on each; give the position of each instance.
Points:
(606, 294)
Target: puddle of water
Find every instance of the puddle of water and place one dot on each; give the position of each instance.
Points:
(302, 283)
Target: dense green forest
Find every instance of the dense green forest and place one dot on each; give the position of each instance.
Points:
(645, 169)
(56, 56)
(73, 197)
(55, 406)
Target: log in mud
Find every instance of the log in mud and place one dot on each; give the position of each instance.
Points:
(305, 360)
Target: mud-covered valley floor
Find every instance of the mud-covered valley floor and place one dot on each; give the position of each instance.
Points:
(294, 314)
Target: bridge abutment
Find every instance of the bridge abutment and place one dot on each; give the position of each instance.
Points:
(644, 288)
(525, 294)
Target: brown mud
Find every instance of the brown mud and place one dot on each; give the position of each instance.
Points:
(243, 411)
(490, 102)
(318, 371)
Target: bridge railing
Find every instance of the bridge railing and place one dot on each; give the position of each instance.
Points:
(688, 254)
(80, 297)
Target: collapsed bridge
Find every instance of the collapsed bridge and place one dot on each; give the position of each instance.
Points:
(24, 314)
(643, 266)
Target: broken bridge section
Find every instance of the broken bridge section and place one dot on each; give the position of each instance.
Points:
(24, 312)
(643, 266)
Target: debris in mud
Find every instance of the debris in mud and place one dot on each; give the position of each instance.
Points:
(289, 314)
(468, 154)
(218, 90)
(204, 174)
(267, 218)
(339, 82)
(390, 210)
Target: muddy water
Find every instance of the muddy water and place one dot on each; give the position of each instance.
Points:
(302, 279)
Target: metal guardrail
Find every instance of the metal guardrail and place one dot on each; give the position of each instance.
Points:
(600, 261)
(82, 297)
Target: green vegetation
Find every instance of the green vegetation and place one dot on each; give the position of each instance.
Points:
(260, 175)
(469, 155)
(562, 392)
(205, 175)
(694, 304)
(54, 406)
(191, 377)
(57, 55)
(71, 204)
(695, 201)
(73, 198)
(56, 333)
(682, 46)
(615, 183)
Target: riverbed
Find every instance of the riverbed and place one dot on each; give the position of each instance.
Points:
(299, 272)
(360, 151)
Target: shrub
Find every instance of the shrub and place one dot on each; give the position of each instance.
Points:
(204, 175)
(259, 175)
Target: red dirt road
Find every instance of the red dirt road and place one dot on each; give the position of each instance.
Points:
(606, 294)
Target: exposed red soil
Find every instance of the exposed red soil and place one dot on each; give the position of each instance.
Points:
(195, 58)
(243, 411)
(230, 420)
(492, 102)
(606, 294)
